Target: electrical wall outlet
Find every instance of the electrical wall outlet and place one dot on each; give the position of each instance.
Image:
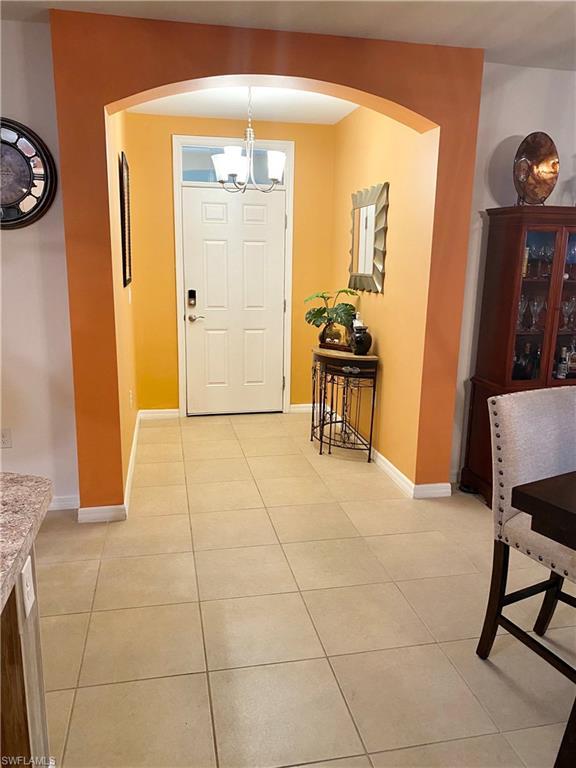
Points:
(28, 594)
(6, 437)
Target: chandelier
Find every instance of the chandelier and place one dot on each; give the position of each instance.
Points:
(235, 166)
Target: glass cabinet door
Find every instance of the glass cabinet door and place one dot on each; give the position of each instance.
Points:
(534, 312)
(564, 347)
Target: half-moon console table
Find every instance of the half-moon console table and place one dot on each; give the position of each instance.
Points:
(343, 399)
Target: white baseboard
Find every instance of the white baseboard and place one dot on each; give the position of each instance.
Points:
(64, 502)
(132, 463)
(300, 408)
(158, 413)
(102, 514)
(414, 491)
(403, 482)
(432, 490)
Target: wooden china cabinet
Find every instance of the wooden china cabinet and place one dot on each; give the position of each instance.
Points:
(527, 335)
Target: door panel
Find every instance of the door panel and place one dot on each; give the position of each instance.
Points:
(234, 260)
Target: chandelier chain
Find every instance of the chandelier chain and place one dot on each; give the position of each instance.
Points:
(249, 145)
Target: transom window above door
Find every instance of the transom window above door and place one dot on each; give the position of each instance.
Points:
(197, 164)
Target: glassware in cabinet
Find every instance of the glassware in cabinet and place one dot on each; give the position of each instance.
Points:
(532, 316)
(564, 349)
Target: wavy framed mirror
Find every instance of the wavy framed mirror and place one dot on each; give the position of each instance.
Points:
(369, 229)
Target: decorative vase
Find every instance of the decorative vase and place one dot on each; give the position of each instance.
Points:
(360, 340)
(330, 335)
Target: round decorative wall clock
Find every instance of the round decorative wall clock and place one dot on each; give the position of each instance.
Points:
(27, 175)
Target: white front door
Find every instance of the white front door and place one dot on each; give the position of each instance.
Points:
(234, 269)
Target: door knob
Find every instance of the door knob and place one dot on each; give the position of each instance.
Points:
(193, 318)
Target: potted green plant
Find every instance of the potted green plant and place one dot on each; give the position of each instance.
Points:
(331, 314)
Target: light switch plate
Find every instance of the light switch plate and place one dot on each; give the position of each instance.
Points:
(28, 595)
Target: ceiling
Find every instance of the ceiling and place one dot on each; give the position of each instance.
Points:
(539, 33)
(285, 105)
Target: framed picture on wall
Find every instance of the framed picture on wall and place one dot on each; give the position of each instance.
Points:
(125, 220)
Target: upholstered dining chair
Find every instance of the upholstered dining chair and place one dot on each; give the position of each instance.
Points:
(533, 437)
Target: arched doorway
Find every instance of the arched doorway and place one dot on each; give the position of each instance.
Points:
(442, 86)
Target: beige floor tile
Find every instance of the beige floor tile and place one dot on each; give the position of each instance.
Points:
(243, 572)
(271, 467)
(305, 445)
(452, 607)
(478, 752)
(219, 470)
(159, 723)
(237, 528)
(284, 491)
(212, 449)
(252, 429)
(205, 432)
(80, 541)
(137, 643)
(335, 563)
(539, 746)
(379, 518)
(329, 465)
(194, 421)
(419, 555)
(58, 710)
(526, 611)
(66, 587)
(255, 418)
(269, 446)
(159, 435)
(221, 497)
(364, 618)
(129, 582)
(517, 687)
(147, 453)
(562, 641)
(159, 473)
(462, 615)
(479, 549)
(165, 421)
(299, 430)
(62, 647)
(344, 762)
(408, 696)
(258, 630)
(309, 522)
(296, 416)
(149, 536)
(373, 488)
(59, 518)
(296, 705)
(153, 501)
(460, 514)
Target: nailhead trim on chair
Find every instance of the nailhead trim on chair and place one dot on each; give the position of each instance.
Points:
(502, 497)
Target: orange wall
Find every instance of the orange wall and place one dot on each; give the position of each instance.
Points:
(123, 310)
(101, 60)
(149, 149)
(371, 148)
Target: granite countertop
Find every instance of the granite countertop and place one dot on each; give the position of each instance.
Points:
(24, 503)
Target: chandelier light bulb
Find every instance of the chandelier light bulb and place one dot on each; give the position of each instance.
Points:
(234, 167)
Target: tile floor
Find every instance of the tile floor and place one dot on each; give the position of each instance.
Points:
(264, 606)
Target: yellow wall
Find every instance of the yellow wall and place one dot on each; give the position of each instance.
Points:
(331, 162)
(149, 150)
(123, 308)
(372, 148)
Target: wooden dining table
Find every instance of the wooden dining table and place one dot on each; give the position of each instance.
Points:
(551, 502)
